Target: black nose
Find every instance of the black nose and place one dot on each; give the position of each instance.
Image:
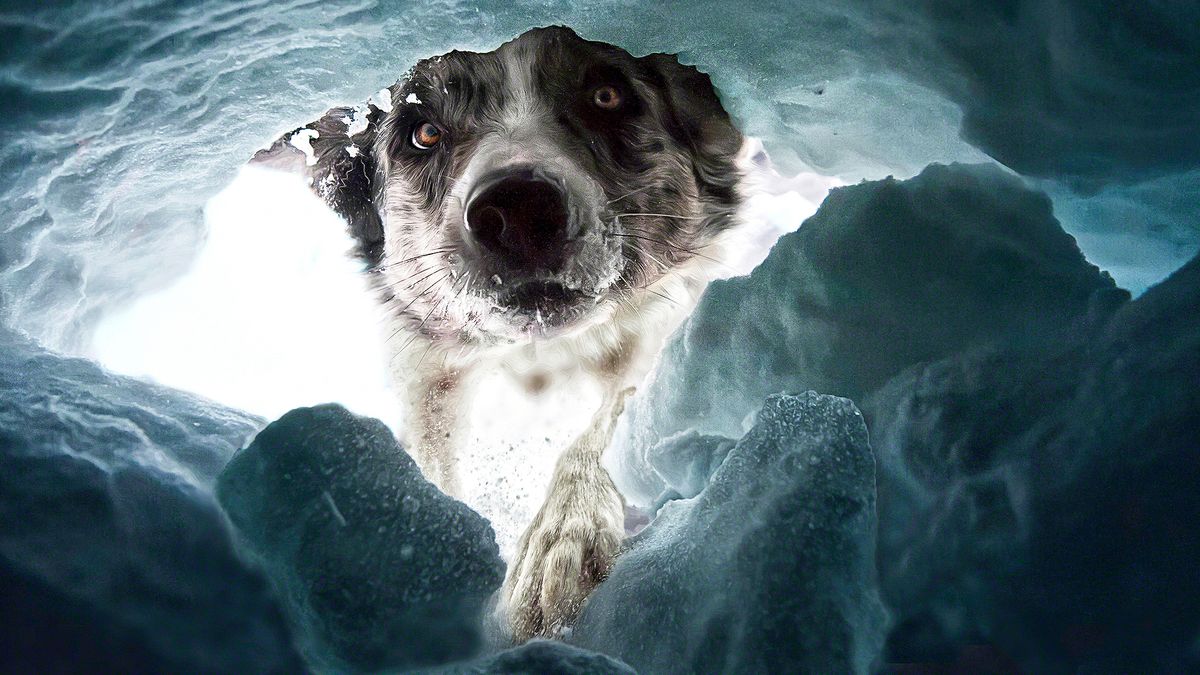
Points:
(522, 217)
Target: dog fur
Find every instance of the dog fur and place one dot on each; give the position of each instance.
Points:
(652, 192)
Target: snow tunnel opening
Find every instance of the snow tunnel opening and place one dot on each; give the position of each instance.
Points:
(275, 313)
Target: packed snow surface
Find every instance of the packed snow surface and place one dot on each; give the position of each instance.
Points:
(122, 121)
(1017, 493)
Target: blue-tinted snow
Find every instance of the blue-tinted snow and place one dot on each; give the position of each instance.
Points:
(769, 569)
(120, 120)
(887, 274)
(377, 568)
(113, 553)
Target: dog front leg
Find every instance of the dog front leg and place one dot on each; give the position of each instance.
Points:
(433, 416)
(572, 542)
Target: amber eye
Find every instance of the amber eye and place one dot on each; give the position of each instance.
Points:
(606, 97)
(425, 135)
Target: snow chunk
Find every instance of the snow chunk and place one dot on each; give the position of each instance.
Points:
(357, 120)
(770, 569)
(106, 522)
(379, 569)
(382, 100)
(1028, 495)
(302, 141)
(412, 98)
(886, 274)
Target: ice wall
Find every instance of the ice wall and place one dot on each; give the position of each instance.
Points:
(886, 274)
(768, 569)
(120, 122)
(113, 552)
(1039, 504)
(1034, 430)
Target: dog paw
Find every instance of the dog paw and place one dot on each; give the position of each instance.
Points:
(571, 543)
(561, 558)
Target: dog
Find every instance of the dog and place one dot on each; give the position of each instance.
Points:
(555, 191)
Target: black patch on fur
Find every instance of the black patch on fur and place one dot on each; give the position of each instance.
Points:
(671, 141)
(345, 181)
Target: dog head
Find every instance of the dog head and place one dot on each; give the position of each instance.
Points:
(530, 190)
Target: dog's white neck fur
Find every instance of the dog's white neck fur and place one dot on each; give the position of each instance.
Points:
(510, 436)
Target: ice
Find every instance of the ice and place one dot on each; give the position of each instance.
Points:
(121, 124)
(540, 656)
(769, 569)
(886, 274)
(377, 568)
(1040, 505)
(1034, 430)
(113, 553)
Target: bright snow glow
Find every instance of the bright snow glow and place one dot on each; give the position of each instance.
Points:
(275, 314)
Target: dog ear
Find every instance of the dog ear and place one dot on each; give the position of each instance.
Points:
(336, 155)
(698, 121)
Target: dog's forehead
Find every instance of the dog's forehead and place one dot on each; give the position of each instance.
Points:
(553, 53)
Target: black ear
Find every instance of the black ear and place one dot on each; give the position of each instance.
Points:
(336, 154)
(698, 121)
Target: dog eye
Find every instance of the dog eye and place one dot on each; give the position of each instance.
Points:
(607, 97)
(425, 135)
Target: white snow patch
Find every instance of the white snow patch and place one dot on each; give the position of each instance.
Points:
(274, 314)
(382, 100)
(352, 150)
(302, 141)
(412, 98)
(357, 121)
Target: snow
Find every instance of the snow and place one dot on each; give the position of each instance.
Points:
(121, 138)
(1030, 428)
(107, 521)
(362, 547)
(273, 315)
(1029, 495)
(541, 656)
(769, 569)
(302, 141)
(885, 275)
(357, 121)
(383, 100)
